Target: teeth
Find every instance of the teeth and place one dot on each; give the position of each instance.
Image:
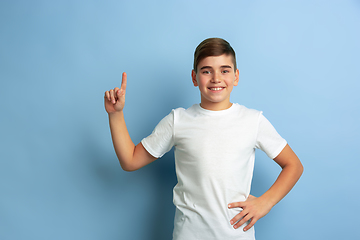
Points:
(216, 89)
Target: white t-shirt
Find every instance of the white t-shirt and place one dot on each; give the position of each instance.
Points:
(214, 158)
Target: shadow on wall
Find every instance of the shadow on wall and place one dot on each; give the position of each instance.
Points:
(164, 211)
(150, 188)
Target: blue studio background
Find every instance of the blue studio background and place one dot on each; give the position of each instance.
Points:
(59, 176)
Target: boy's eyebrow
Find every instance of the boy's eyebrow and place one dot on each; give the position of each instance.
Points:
(226, 66)
(205, 67)
(223, 66)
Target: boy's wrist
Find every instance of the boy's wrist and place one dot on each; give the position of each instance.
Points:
(268, 200)
(116, 114)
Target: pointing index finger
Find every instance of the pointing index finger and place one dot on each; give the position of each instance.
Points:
(124, 81)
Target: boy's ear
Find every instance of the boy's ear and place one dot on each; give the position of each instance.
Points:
(193, 76)
(236, 81)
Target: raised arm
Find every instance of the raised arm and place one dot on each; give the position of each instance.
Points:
(131, 157)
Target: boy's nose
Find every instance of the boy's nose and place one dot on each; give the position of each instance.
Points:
(216, 78)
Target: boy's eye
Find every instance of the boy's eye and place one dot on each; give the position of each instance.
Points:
(206, 72)
(225, 71)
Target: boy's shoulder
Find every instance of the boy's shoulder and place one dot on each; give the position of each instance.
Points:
(246, 109)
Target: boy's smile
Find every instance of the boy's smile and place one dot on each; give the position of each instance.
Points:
(216, 78)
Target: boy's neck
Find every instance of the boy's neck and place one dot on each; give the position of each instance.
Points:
(215, 106)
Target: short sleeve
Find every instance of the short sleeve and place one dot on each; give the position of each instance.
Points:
(268, 139)
(161, 140)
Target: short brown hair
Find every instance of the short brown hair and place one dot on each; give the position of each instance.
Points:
(213, 47)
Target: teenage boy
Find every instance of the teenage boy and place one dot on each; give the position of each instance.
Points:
(215, 144)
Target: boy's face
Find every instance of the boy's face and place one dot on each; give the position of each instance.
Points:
(216, 78)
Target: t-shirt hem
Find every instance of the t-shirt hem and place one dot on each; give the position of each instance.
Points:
(278, 150)
(150, 150)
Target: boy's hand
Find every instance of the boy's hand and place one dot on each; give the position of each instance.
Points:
(115, 98)
(253, 209)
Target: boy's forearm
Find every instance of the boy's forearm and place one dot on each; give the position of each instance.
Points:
(286, 180)
(123, 145)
